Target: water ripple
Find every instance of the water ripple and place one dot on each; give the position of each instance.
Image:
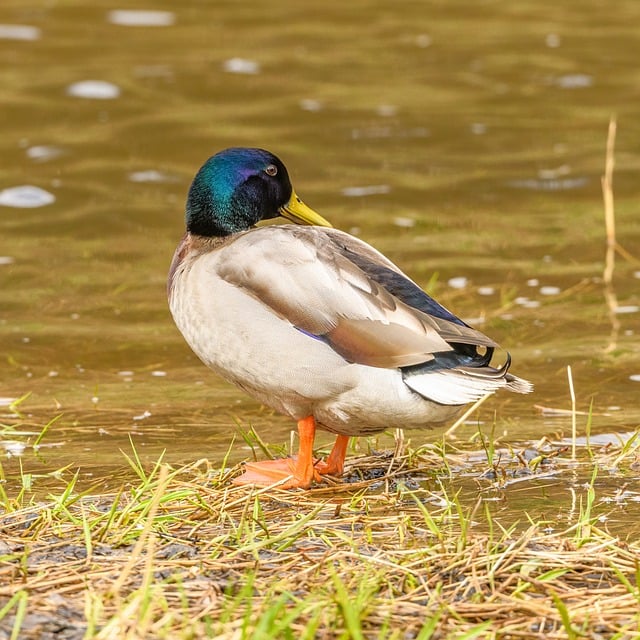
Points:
(151, 175)
(19, 32)
(549, 185)
(25, 197)
(241, 65)
(42, 153)
(94, 89)
(141, 18)
(369, 190)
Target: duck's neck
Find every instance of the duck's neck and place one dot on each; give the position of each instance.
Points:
(190, 246)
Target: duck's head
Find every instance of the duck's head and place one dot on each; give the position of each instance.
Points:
(238, 187)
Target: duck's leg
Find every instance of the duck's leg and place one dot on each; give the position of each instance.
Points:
(299, 469)
(334, 464)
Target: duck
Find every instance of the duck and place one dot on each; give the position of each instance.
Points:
(314, 322)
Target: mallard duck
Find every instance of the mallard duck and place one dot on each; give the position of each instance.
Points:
(314, 322)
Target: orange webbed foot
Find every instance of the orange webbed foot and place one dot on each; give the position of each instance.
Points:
(301, 470)
(334, 464)
(270, 472)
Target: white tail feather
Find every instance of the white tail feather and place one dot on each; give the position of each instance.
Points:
(452, 387)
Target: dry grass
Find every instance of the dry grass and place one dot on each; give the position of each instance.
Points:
(186, 555)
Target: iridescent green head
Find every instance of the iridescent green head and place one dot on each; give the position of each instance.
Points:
(238, 187)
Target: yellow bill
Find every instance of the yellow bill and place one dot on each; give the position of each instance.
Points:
(298, 212)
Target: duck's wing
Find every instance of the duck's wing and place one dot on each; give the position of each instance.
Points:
(338, 289)
(457, 376)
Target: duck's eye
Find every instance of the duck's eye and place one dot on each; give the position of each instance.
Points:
(271, 170)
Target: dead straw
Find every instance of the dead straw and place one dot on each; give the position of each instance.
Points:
(574, 428)
(612, 245)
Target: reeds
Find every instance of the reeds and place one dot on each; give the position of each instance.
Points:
(611, 242)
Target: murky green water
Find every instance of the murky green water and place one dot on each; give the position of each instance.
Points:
(461, 139)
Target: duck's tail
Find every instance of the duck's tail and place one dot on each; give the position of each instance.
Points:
(461, 385)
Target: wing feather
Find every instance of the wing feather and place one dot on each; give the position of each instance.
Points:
(310, 277)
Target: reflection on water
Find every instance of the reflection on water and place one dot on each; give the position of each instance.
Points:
(25, 197)
(465, 142)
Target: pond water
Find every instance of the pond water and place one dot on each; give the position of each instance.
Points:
(466, 141)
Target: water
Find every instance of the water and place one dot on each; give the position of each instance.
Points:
(465, 140)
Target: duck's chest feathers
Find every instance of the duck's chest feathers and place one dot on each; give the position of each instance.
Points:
(230, 330)
(204, 307)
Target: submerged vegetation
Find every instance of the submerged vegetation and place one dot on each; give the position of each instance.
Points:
(392, 551)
